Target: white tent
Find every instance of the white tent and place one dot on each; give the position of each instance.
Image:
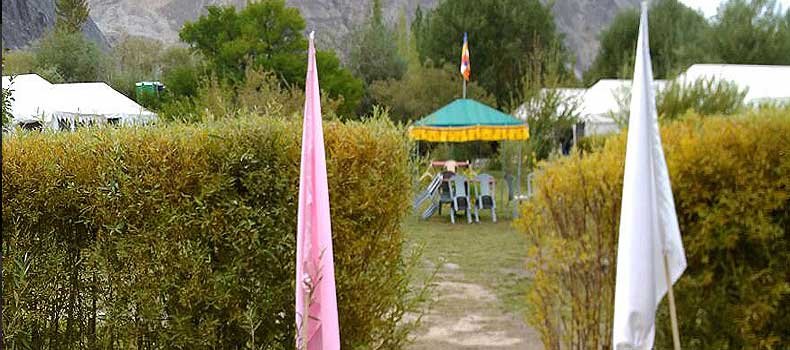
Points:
(596, 104)
(30, 92)
(96, 102)
(764, 83)
(66, 106)
(608, 96)
(601, 99)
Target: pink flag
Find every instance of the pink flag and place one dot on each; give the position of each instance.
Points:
(316, 304)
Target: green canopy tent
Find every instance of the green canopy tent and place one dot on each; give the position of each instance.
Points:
(466, 120)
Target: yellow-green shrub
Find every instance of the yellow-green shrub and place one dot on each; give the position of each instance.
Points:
(731, 181)
(182, 237)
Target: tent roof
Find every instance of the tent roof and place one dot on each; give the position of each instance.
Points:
(94, 99)
(30, 91)
(34, 98)
(467, 112)
(764, 82)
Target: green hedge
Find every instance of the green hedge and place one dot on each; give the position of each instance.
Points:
(183, 237)
(731, 182)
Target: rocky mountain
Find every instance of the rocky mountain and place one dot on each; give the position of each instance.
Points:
(333, 20)
(582, 20)
(24, 21)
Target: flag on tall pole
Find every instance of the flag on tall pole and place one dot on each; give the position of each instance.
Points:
(649, 251)
(316, 303)
(466, 68)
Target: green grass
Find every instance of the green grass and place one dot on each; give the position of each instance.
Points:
(489, 254)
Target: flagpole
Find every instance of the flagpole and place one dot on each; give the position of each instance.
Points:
(464, 88)
(672, 310)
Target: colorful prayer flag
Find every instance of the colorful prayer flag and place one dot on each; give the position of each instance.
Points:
(466, 68)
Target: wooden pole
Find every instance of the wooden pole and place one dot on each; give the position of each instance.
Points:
(305, 320)
(672, 310)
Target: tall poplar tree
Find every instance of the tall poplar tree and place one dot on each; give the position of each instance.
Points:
(71, 15)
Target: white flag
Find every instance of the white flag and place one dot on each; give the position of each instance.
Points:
(648, 222)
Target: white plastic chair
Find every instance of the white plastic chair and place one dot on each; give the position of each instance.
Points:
(460, 194)
(484, 197)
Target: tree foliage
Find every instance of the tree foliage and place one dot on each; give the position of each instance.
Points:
(752, 32)
(679, 37)
(422, 91)
(71, 56)
(71, 15)
(501, 35)
(374, 54)
(743, 32)
(7, 98)
(268, 35)
(551, 113)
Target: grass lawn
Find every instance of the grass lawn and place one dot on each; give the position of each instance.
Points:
(480, 284)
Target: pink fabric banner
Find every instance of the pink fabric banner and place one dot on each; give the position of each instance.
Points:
(316, 303)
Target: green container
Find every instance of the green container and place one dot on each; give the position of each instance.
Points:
(148, 89)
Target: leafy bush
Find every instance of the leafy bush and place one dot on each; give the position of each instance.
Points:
(702, 97)
(182, 236)
(731, 182)
(259, 93)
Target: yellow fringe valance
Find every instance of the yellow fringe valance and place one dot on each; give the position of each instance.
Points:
(470, 133)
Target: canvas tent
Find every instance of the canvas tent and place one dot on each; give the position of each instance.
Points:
(29, 92)
(67, 106)
(596, 104)
(763, 83)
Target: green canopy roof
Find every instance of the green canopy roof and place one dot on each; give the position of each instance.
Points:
(466, 112)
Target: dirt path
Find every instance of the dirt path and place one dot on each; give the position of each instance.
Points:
(479, 295)
(470, 316)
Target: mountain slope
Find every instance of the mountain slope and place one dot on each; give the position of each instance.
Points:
(580, 20)
(24, 21)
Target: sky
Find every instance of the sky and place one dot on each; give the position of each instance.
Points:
(709, 7)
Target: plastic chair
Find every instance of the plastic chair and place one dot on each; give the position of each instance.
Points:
(484, 197)
(445, 193)
(460, 187)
